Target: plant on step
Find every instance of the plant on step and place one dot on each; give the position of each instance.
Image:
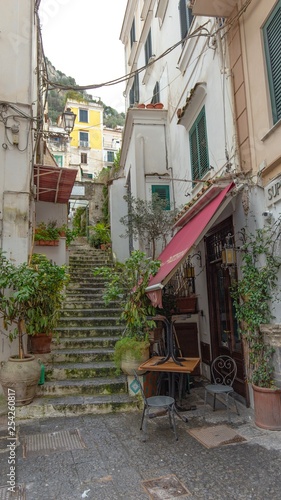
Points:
(100, 235)
(253, 294)
(127, 282)
(30, 296)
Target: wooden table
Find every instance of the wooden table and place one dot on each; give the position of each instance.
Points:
(156, 364)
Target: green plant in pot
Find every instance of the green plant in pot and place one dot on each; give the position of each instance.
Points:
(42, 319)
(46, 232)
(253, 295)
(24, 298)
(100, 236)
(127, 284)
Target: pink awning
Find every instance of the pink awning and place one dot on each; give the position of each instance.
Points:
(176, 251)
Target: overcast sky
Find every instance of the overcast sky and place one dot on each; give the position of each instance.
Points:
(81, 39)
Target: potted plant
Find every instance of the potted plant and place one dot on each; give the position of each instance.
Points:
(67, 233)
(127, 283)
(253, 295)
(42, 319)
(100, 238)
(47, 233)
(24, 296)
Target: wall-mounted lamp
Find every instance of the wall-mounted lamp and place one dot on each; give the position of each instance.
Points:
(68, 119)
(228, 254)
(189, 270)
(15, 129)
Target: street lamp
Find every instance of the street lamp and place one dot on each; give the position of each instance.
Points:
(68, 119)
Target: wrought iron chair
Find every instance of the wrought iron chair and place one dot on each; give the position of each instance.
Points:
(223, 373)
(156, 402)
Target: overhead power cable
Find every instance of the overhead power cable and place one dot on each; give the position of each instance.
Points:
(200, 31)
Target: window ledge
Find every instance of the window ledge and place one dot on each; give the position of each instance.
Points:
(188, 112)
(271, 131)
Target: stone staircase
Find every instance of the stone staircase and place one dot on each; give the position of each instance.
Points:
(80, 372)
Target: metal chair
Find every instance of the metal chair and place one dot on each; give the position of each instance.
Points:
(223, 372)
(155, 402)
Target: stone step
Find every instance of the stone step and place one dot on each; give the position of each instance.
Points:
(90, 312)
(88, 321)
(84, 289)
(86, 331)
(86, 343)
(62, 371)
(87, 262)
(78, 355)
(69, 406)
(79, 387)
(86, 276)
(72, 303)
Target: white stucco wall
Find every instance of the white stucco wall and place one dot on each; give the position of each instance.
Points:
(118, 209)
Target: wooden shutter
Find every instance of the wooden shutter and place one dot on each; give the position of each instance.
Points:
(198, 147)
(272, 42)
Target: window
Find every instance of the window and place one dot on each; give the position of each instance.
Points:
(156, 93)
(272, 42)
(83, 115)
(59, 160)
(133, 33)
(110, 156)
(84, 139)
(185, 18)
(163, 192)
(199, 147)
(134, 92)
(84, 158)
(148, 48)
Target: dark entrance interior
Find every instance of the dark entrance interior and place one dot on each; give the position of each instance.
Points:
(225, 337)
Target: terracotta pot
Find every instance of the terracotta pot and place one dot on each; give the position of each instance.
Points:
(267, 404)
(40, 343)
(158, 105)
(150, 106)
(47, 243)
(21, 376)
(141, 106)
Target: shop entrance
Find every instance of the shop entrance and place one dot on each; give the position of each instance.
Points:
(225, 337)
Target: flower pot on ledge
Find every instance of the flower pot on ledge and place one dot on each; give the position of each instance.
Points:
(47, 243)
(186, 304)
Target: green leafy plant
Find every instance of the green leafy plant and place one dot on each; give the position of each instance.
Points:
(253, 294)
(127, 284)
(31, 296)
(150, 221)
(100, 235)
(47, 231)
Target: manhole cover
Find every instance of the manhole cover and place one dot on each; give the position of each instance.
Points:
(218, 435)
(165, 488)
(17, 494)
(53, 441)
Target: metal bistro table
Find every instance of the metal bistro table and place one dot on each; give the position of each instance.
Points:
(170, 363)
(171, 367)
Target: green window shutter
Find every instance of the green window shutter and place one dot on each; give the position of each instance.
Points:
(58, 159)
(199, 147)
(163, 193)
(272, 41)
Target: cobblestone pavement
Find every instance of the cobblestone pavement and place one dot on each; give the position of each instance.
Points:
(108, 459)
